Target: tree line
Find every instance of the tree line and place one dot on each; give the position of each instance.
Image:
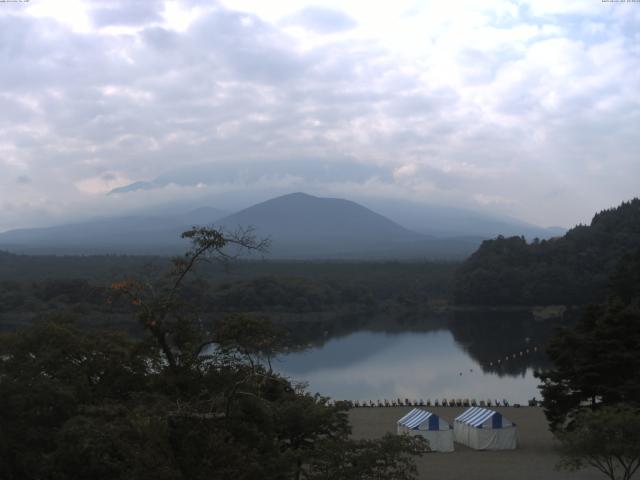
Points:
(570, 270)
(592, 395)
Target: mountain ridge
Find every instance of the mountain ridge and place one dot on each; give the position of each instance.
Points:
(282, 210)
(135, 234)
(301, 226)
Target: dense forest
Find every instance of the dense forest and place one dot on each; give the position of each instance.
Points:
(573, 269)
(314, 300)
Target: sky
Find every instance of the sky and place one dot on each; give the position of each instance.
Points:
(525, 108)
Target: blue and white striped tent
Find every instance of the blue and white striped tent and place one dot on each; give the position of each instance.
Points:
(421, 422)
(484, 429)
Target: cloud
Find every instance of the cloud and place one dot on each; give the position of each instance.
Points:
(104, 183)
(244, 173)
(465, 104)
(130, 13)
(568, 7)
(322, 20)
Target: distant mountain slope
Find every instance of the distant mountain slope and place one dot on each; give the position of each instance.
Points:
(300, 226)
(304, 226)
(437, 220)
(443, 221)
(573, 269)
(302, 217)
(133, 235)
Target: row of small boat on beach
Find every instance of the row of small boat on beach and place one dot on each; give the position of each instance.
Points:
(454, 402)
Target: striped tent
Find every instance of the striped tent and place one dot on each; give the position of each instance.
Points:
(421, 422)
(484, 429)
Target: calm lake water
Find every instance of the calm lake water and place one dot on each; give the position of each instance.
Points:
(460, 361)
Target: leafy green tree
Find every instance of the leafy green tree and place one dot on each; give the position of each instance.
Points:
(307, 421)
(162, 311)
(49, 374)
(77, 404)
(607, 439)
(597, 362)
(256, 339)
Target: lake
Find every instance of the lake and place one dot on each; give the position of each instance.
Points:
(471, 357)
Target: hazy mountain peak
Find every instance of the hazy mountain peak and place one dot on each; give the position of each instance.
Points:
(295, 195)
(291, 198)
(322, 224)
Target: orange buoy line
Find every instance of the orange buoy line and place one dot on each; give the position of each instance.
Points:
(513, 356)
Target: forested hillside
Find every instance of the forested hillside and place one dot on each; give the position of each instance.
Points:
(573, 269)
(309, 297)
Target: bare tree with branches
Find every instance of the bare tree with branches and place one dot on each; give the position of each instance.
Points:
(160, 310)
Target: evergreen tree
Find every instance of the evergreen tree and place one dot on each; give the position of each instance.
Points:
(597, 362)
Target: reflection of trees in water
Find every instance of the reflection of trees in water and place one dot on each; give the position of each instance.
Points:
(310, 332)
(488, 337)
(492, 338)
(314, 332)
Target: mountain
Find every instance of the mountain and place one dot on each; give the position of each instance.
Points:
(302, 217)
(300, 226)
(130, 234)
(573, 269)
(435, 220)
(304, 226)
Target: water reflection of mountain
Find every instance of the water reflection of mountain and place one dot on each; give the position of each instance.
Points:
(505, 343)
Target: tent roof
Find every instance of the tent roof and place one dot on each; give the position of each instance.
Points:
(415, 417)
(475, 416)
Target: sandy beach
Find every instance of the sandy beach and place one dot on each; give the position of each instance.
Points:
(534, 459)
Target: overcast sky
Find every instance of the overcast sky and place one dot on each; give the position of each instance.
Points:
(530, 108)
